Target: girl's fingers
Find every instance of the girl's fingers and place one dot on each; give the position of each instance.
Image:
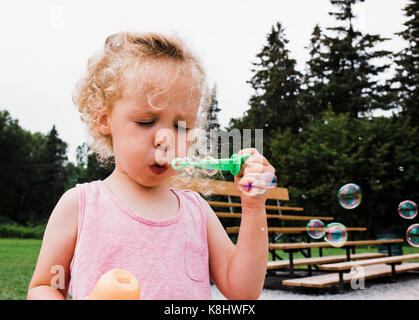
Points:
(253, 168)
(255, 157)
(255, 164)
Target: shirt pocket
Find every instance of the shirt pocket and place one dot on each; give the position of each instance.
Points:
(196, 264)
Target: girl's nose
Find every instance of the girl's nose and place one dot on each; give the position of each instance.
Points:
(164, 143)
(164, 139)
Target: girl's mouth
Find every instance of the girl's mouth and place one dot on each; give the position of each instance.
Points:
(158, 169)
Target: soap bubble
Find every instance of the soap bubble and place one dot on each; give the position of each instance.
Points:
(256, 183)
(209, 172)
(349, 196)
(412, 235)
(408, 209)
(335, 234)
(269, 180)
(189, 169)
(320, 229)
(251, 186)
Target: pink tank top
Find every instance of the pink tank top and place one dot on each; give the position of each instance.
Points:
(168, 257)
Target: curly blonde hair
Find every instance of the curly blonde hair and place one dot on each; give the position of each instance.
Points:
(101, 87)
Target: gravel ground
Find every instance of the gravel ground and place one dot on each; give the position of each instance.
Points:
(406, 287)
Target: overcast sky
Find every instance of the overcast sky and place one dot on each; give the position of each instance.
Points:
(45, 46)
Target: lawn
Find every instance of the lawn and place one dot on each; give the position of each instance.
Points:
(17, 262)
(18, 259)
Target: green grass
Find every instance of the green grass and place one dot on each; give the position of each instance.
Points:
(17, 262)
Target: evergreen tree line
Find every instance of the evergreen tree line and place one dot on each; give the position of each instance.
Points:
(322, 128)
(35, 172)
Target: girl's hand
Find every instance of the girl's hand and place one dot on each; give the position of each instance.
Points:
(255, 166)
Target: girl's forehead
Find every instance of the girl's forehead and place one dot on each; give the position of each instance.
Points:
(162, 83)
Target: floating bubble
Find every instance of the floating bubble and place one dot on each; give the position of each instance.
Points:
(251, 186)
(209, 172)
(336, 234)
(408, 209)
(269, 179)
(349, 196)
(412, 235)
(316, 229)
(189, 169)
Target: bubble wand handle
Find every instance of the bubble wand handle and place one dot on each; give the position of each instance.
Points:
(233, 164)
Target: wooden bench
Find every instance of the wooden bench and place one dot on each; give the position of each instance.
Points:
(343, 267)
(229, 189)
(382, 266)
(280, 264)
(305, 245)
(274, 216)
(290, 230)
(349, 246)
(322, 281)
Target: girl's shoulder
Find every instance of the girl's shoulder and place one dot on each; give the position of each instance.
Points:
(69, 201)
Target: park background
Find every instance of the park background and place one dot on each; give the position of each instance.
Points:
(341, 107)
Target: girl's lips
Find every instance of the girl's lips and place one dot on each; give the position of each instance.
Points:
(158, 170)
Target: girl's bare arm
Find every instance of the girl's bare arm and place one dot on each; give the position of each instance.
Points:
(239, 270)
(51, 277)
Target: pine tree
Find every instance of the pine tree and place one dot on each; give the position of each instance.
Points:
(314, 95)
(213, 122)
(213, 130)
(346, 58)
(52, 179)
(407, 61)
(274, 105)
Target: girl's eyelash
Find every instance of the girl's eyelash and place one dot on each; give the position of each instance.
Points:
(145, 123)
(151, 122)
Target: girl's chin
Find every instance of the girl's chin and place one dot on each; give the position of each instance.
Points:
(151, 180)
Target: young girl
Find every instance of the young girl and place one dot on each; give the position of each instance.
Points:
(141, 89)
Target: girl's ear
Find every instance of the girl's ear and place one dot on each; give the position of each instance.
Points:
(103, 124)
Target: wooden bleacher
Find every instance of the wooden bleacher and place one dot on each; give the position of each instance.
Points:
(279, 264)
(291, 230)
(327, 280)
(374, 263)
(373, 268)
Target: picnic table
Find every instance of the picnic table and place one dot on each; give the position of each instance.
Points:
(379, 264)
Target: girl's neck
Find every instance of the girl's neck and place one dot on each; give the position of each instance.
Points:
(125, 184)
(156, 202)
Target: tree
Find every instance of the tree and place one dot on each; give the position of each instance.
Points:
(32, 177)
(15, 149)
(52, 179)
(407, 65)
(314, 96)
(89, 169)
(274, 105)
(342, 71)
(213, 110)
(335, 149)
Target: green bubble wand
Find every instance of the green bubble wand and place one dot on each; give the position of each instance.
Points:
(247, 184)
(233, 164)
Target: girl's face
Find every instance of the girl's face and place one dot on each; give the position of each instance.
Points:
(150, 123)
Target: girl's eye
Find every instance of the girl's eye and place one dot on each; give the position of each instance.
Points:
(145, 124)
